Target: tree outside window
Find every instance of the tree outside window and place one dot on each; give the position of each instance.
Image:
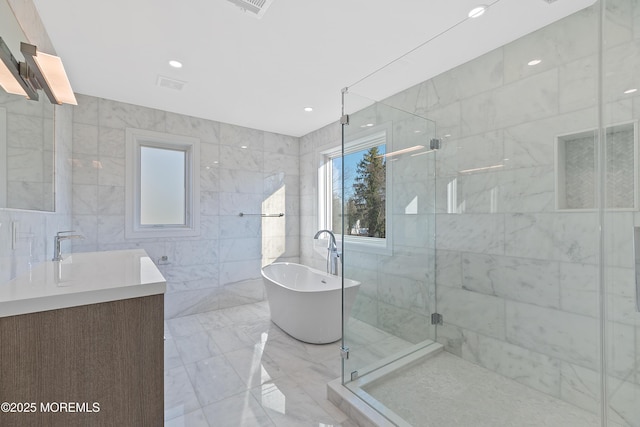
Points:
(365, 193)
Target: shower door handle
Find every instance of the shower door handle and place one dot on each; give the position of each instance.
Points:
(636, 259)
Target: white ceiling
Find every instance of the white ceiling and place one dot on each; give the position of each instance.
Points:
(261, 73)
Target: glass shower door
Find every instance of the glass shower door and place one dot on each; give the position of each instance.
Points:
(619, 152)
(388, 228)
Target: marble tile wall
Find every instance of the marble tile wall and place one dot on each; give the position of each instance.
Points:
(36, 229)
(517, 280)
(221, 267)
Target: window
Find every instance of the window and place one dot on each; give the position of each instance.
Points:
(162, 185)
(366, 188)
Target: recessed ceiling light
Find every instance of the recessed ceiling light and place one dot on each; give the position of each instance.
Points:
(308, 109)
(243, 146)
(477, 11)
(534, 62)
(175, 64)
(628, 91)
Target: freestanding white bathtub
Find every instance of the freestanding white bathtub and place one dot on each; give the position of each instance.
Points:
(306, 302)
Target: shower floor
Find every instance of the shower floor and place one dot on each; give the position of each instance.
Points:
(445, 390)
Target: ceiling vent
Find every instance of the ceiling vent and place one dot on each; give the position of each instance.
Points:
(255, 7)
(170, 83)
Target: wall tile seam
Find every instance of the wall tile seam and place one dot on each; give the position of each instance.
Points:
(489, 91)
(151, 110)
(505, 129)
(502, 183)
(634, 40)
(521, 214)
(559, 262)
(507, 340)
(484, 336)
(508, 299)
(420, 311)
(484, 132)
(493, 90)
(214, 141)
(558, 65)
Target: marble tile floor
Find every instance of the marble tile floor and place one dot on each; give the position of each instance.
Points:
(456, 393)
(235, 368)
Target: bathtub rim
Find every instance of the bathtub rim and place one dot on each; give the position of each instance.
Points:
(352, 283)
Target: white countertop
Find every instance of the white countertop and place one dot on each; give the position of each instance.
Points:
(80, 279)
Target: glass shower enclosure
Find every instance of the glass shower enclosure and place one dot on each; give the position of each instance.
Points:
(511, 231)
(391, 316)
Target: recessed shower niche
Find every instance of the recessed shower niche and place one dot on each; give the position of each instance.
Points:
(577, 169)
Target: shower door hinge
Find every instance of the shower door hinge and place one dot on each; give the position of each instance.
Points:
(436, 319)
(354, 375)
(434, 144)
(344, 120)
(344, 352)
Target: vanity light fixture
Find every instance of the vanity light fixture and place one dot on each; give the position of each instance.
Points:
(10, 78)
(628, 91)
(40, 71)
(48, 75)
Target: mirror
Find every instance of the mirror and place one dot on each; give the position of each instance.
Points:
(26, 137)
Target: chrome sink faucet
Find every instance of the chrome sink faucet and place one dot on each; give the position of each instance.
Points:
(332, 252)
(58, 238)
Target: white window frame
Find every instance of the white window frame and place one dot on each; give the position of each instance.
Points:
(372, 137)
(136, 138)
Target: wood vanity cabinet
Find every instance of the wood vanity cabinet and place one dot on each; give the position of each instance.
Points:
(90, 365)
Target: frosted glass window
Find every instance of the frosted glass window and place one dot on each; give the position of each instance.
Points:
(162, 186)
